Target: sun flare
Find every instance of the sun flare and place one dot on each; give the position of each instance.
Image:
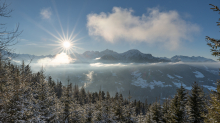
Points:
(66, 44)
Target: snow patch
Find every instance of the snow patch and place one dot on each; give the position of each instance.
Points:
(209, 87)
(180, 77)
(171, 77)
(177, 84)
(138, 81)
(198, 74)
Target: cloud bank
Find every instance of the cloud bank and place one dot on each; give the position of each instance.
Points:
(46, 13)
(107, 65)
(166, 28)
(59, 59)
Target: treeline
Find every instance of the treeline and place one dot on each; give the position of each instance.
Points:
(33, 98)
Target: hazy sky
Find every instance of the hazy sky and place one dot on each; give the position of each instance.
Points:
(163, 28)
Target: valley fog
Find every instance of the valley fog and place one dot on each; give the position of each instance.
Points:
(148, 80)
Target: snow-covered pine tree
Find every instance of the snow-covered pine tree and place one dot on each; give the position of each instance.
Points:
(177, 111)
(76, 93)
(107, 111)
(196, 104)
(76, 112)
(17, 100)
(59, 89)
(148, 117)
(98, 114)
(46, 106)
(214, 107)
(88, 109)
(118, 113)
(67, 102)
(82, 96)
(129, 111)
(155, 113)
(165, 110)
(140, 118)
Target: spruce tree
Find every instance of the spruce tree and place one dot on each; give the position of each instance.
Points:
(128, 111)
(17, 100)
(154, 115)
(177, 109)
(196, 104)
(46, 107)
(214, 103)
(67, 100)
(213, 108)
(165, 110)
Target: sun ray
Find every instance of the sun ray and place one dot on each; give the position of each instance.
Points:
(54, 5)
(57, 32)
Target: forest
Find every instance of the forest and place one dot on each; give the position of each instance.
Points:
(31, 97)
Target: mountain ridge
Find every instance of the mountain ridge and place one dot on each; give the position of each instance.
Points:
(130, 56)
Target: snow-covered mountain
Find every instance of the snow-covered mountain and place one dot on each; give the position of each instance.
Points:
(110, 56)
(135, 56)
(190, 59)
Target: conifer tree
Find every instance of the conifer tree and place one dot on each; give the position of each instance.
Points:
(98, 117)
(213, 108)
(196, 104)
(128, 111)
(82, 97)
(177, 109)
(67, 100)
(145, 106)
(17, 101)
(154, 114)
(165, 110)
(118, 111)
(46, 107)
(89, 110)
(149, 117)
(59, 89)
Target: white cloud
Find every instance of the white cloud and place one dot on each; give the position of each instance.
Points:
(107, 65)
(46, 13)
(166, 28)
(89, 77)
(59, 59)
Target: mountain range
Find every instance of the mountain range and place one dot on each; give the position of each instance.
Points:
(110, 56)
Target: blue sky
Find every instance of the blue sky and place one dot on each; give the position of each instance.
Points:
(163, 28)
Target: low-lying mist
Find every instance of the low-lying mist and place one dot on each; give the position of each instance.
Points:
(68, 69)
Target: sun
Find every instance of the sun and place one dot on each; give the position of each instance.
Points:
(66, 44)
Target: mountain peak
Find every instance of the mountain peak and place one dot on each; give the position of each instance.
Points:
(133, 50)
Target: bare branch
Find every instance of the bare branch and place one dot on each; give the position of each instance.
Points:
(7, 38)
